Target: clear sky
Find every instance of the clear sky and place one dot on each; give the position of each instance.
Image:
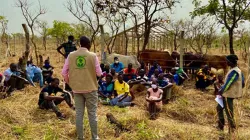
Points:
(57, 11)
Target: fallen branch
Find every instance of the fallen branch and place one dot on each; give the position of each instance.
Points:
(119, 127)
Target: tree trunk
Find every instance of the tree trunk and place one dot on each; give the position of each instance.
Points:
(175, 42)
(146, 34)
(27, 48)
(34, 44)
(231, 41)
(45, 43)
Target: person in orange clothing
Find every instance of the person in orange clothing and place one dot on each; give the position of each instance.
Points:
(129, 73)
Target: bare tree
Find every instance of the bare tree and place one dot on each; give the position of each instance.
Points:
(200, 34)
(148, 8)
(5, 36)
(31, 18)
(243, 42)
(86, 12)
(174, 29)
(114, 24)
(43, 30)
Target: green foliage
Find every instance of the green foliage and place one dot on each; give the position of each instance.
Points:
(227, 12)
(80, 30)
(19, 131)
(50, 134)
(61, 30)
(144, 132)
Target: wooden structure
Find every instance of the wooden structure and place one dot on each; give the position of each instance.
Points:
(158, 39)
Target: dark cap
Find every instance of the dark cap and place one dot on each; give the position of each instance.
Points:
(84, 41)
(232, 59)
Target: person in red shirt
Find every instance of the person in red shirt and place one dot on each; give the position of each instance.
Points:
(129, 73)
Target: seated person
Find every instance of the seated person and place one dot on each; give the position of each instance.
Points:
(13, 80)
(165, 85)
(47, 71)
(153, 68)
(141, 79)
(129, 73)
(204, 78)
(143, 66)
(49, 100)
(34, 74)
(180, 74)
(154, 99)
(106, 69)
(118, 66)
(2, 87)
(155, 75)
(123, 97)
(106, 89)
(114, 74)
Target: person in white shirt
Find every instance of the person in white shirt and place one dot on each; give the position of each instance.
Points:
(13, 80)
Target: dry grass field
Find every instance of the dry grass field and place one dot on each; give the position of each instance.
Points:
(190, 116)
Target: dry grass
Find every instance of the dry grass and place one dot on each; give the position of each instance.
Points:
(190, 115)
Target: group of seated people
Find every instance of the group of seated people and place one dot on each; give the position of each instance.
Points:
(116, 87)
(15, 78)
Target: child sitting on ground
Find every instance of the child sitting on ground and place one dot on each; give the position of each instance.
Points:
(154, 99)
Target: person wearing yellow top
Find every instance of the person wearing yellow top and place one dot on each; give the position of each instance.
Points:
(123, 96)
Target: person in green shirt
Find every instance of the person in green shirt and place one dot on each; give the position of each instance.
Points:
(180, 74)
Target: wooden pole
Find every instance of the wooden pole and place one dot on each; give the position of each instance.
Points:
(181, 49)
(103, 55)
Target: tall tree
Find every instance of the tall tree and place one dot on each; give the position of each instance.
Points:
(43, 29)
(227, 12)
(61, 30)
(86, 12)
(148, 8)
(31, 18)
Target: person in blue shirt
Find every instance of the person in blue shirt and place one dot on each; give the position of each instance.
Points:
(118, 66)
(230, 90)
(34, 74)
(106, 89)
(165, 85)
(153, 68)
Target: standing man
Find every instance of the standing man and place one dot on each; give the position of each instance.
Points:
(80, 71)
(229, 91)
(68, 48)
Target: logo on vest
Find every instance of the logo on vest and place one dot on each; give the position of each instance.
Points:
(80, 62)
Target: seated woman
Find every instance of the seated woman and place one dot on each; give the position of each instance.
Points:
(49, 100)
(154, 99)
(47, 71)
(122, 94)
(106, 89)
(165, 85)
